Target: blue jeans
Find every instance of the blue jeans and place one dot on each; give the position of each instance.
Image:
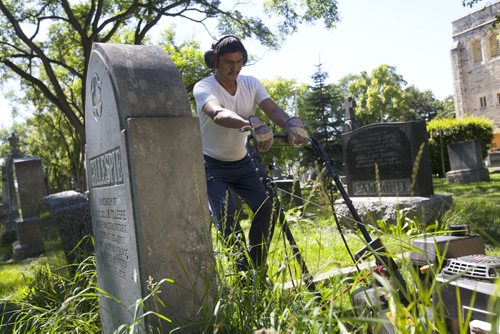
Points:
(242, 178)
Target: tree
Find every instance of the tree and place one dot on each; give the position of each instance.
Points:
(424, 104)
(286, 93)
(322, 111)
(427, 107)
(46, 44)
(448, 108)
(380, 96)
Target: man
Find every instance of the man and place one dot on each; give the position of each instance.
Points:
(226, 104)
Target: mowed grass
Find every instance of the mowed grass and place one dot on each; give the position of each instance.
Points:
(478, 205)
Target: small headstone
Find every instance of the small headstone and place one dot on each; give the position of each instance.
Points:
(31, 188)
(493, 159)
(466, 163)
(147, 189)
(66, 225)
(388, 159)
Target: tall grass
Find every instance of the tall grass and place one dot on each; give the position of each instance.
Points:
(66, 301)
(57, 302)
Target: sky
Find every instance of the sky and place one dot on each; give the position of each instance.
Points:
(413, 36)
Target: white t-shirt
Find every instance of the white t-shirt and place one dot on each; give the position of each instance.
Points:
(217, 141)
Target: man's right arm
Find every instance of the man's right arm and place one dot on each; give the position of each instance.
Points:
(224, 117)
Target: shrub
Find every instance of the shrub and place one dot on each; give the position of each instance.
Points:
(450, 130)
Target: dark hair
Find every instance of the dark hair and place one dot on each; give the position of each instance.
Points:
(226, 44)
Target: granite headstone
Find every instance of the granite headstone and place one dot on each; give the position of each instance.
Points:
(66, 225)
(147, 189)
(388, 159)
(31, 188)
(466, 163)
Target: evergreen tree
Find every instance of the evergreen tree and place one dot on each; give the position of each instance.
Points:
(322, 110)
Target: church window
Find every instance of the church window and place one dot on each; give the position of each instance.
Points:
(482, 102)
(477, 53)
(494, 45)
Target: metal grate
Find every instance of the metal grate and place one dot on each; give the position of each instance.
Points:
(480, 266)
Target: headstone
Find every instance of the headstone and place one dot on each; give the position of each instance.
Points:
(466, 163)
(349, 117)
(147, 189)
(9, 192)
(66, 225)
(289, 192)
(493, 159)
(388, 159)
(31, 188)
(4, 209)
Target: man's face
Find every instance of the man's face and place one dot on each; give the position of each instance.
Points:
(229, 65)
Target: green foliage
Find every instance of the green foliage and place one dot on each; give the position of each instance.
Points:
(446, 131)
(286, 94)
(322, 112)
(380, 96)
(46, 46)
(58, 303)
(426, 106)
(188, 58)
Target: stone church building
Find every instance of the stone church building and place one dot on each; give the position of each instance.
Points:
(475, 56)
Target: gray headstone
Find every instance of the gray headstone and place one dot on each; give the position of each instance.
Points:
(466, 162)
(66, 225)
(4, 209)
(388, 159)
(31, 188)
(147, 187)
(465, 155)
(493, 159)
(11, 208)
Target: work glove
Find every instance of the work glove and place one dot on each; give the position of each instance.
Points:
(295, 132)
(261, 133)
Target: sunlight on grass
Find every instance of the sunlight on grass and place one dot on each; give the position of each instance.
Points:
(13, 276)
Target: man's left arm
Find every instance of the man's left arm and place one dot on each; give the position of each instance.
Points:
(274, 112)
(293, 126)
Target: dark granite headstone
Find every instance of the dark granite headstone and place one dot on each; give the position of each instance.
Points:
(388, 159)
(31, 188)
(466, 162)
(66, 225)
(147, 188)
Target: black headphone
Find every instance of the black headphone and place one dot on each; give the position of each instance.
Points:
(211, 55)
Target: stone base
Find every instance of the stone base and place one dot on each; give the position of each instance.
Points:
(29, 239)
(468, 175)
(23, 251)
(372, 209)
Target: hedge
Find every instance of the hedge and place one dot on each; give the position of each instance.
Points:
(451, 130)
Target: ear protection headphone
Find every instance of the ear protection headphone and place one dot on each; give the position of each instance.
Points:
(211, 55)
